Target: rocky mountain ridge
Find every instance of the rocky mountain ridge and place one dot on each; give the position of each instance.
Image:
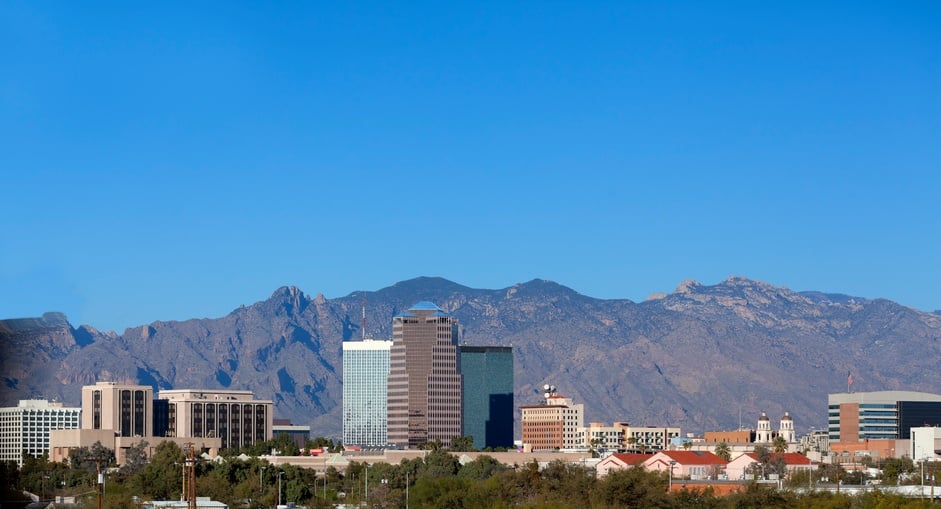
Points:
(696, 358)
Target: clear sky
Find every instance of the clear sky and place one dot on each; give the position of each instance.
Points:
(164, 161)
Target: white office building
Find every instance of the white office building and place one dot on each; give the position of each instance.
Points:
(365, 387)
(26, 427)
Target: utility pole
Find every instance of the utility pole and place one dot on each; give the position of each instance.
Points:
(101, 480)
(189, 475)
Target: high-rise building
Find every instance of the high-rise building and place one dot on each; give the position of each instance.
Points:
(365, 379)
(424, 402)
(25, 428)
(234, 416)
(488, 395)
(126, 409)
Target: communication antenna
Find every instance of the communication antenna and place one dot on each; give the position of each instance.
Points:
(550, 391)
(364, 316)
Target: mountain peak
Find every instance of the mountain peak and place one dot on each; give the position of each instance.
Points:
(688, 286)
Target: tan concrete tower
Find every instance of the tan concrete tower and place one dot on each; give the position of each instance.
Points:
(424, 401)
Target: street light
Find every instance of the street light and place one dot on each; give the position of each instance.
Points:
(406, 489)
(670, 485)
(280, 473)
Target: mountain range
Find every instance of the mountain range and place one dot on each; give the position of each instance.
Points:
(701, 358)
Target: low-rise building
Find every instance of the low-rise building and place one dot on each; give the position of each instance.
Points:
(687, 464)
(620, 461)
(646, 438)
(738, 467)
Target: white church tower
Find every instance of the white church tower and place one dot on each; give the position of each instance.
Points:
(786, 430)
(763, 432)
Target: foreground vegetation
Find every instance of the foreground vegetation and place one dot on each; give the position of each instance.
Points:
(437, 481)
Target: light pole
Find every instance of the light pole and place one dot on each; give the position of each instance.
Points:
(280, 473)
(261, 479)
(670, 485)
(366, 497)
(406, 489)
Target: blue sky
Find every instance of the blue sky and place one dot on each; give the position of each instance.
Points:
(175, 160)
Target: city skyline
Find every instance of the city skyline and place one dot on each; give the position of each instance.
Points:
(166, 162)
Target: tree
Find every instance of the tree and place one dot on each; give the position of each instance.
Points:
(779, 445)
(631, 443)
(724, 451)
(285, 445)
(462, 444)
(431, 445)
(631, 487)
(439, 463)
(89, 458)
(135, 458)
(481, 468)
(596, 445)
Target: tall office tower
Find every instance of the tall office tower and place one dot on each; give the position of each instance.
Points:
(126, 409)
(365, 379)
(488, 395)
(424, 377)
(25, 428)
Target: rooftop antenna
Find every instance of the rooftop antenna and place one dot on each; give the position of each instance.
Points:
(364, 316)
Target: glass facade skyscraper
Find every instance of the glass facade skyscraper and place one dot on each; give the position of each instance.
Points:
(365, 379)
(488, 395)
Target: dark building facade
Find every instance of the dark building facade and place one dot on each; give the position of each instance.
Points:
(488, 395)
(424, 389)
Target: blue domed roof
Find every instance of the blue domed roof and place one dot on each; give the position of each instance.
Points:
(425, 306)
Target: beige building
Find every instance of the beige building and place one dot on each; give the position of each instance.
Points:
(425, 382)
(236, 417)
(122, 415)
(126, 409)
(63, 441)
(647, 438)
(598, 435)
(557, 424)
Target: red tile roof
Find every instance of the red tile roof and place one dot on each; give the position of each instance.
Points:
(632, 459)
(790, 458)
(694, 457)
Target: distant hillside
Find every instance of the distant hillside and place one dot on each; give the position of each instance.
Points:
(695, 358)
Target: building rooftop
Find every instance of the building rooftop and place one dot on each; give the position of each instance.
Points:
(424, 306)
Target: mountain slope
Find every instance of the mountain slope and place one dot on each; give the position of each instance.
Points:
(695, 358)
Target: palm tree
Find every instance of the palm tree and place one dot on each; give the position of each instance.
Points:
(723, 451)
(631, 443)
(779, 445)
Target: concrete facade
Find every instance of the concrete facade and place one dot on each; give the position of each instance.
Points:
(425, 383)
(554, 425)
(26, 427)
(127, 409)
(236, 417)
